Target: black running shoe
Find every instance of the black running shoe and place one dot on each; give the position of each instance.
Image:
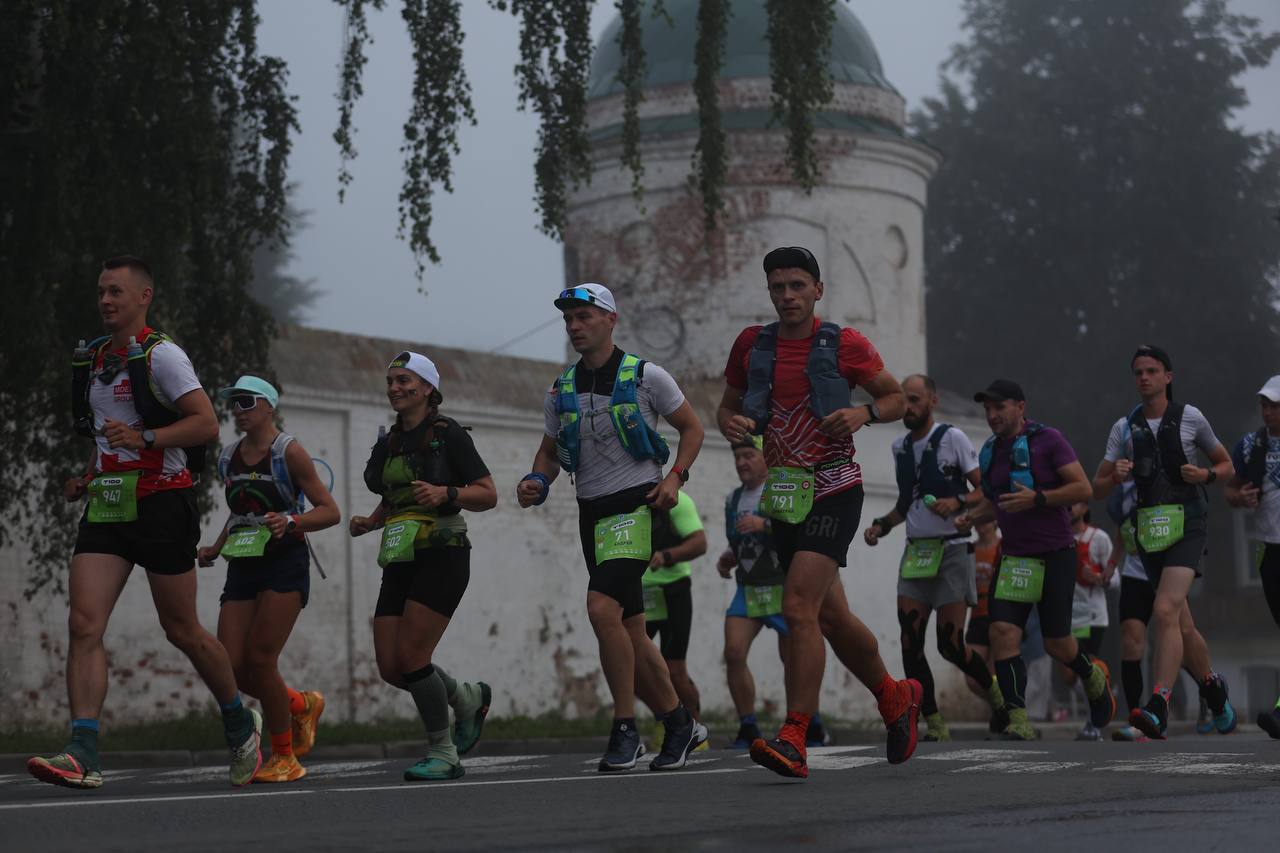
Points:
(999, 721)
(677, 743)
(1149, 721)
(1269, 722)
(625, 748)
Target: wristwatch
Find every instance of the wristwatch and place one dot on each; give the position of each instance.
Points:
(292, 525)
(451, 494)
(1213, 475)
(682, 473)
(1041, 500)
(667, 562)
(148, 439)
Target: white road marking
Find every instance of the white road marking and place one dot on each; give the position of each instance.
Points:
(1189, 764)
(119, 801)
(1019, 767)
(334, 768)
(982, 755)
(189, 774)
(841, 762)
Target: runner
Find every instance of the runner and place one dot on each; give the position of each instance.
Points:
(1155, 445)
(678, 537)
(601, 427)
(268, 566)
(135, 393)
(1089, 617)
(757, 602)
(935, 464)
(986, 557)
(1031, 475)
(790, 381)
(427, 471)
(1255, 485)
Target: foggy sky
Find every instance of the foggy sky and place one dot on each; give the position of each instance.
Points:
(498, 273)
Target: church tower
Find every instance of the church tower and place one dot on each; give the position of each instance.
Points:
(681, 304)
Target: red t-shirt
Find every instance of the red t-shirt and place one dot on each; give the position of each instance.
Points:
(792, 437)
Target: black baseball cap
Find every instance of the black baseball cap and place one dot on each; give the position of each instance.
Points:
(1149, 351)
(1001, 390)
(792, 257)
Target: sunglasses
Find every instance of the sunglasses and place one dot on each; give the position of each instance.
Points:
(580, 293)
(245, 402)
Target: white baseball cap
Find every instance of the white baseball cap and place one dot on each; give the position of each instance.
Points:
(418, 363)
(1271, 390)
(593, 294)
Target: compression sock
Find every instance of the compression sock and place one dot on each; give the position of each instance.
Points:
(1081, 666)
(84, 743)
(297, 704)
(428, 693)
(237, 722)
(1131, 677)
(282, 744)
(750, 719)
(1012, 675)
(795, 730)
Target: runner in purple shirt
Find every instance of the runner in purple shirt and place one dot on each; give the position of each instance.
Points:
(1031, 475)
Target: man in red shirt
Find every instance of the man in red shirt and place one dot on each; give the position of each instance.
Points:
(790, 381)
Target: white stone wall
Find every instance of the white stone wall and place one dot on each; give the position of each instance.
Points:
(521, 627)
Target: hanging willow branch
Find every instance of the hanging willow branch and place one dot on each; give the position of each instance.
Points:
(555, 64)
(441, 102)
(631, 74)
(710, 156)
(355, 38)
(799, 55)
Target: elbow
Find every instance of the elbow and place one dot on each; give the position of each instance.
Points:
(208, 429)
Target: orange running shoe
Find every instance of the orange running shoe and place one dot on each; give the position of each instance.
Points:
(63, 769)
(304, 724)
(280, 768)
(785, 754)
(901, 719)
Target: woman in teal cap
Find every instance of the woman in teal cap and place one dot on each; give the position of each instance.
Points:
(426, 471)
(266, 473)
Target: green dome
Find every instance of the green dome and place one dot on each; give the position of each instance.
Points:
(669, 50)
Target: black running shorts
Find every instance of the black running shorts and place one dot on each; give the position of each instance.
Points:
(287, 569)
(163, 538)
(1137, 599)
(1187, 551)
(828, 530)
(675, 628)
(436, 578)
(618, 579)
(1057, 596)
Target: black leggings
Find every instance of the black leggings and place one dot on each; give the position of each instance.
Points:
(1269, 570)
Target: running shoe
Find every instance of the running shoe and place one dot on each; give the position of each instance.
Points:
(1019, 727)
(280, 768)
(817, 735)
(468, 717)
(436, 767)
(304, 724)
(781, 756)
(1089, 732)
(1204, 723)
(1097, 689)
(246, 757)
(938, 731)
(705, 746)
(1224, 721)
(1129, 733)
(902, 718)
(999, 720)
(624, 749)
(1148, 722)
(1268, 721)
(678, 742)
(63, 769)
(744, 738)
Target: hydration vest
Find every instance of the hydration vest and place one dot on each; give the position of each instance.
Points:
(1256, 468)
(636, 437)
(1019, 460)
(929, 477)
(293, 501)
(154, 410)
(828, 390)
(1158, 458)
(426, 460)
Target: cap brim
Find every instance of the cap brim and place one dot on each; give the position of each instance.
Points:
(987, 396)
(562, 304)
(1270, 393)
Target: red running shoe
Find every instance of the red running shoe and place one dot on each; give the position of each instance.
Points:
(781, 756)
(901, 719)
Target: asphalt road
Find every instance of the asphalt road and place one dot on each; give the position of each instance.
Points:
(1190, 793)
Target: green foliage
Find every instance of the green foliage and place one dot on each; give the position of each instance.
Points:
(125, 126)
(799, 54)
(711, 160)
(355, 38)
(1096, 195)
(631, 76)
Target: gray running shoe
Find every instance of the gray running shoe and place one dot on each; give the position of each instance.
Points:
(624, 748)
(246, 758)
(677, 744)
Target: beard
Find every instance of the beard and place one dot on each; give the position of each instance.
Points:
(911, 421)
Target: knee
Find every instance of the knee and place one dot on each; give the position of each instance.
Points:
(1061, 648)
(1167, 611)
(390, 673)
(603, 612)
(1004, 635)
(735, 656)
(798, 612)
(85, 627)
(951, 644)
(183, 635)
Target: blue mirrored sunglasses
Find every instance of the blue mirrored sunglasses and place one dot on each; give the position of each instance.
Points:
(580, 293)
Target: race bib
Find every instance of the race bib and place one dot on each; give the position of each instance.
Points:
(246, 542)
(397, 542)
(625, 537)
(922, 559)
(787, 495)
(655, 604)
(1160, 527)
(1081, 633)
(114, 497)
(763, 601)
(1128, 537)
(1021, 579)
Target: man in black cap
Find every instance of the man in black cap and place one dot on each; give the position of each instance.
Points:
(1156, 446)
(1032, 476)
(790, 382)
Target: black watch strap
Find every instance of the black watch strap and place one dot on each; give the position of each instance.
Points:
(1041, 499)
(452, 494)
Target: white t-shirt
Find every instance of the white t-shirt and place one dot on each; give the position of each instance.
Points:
(1266, 517)
(1089, 607)
(604, 465)
(749, 504)
(174, 377)
(1195, 433)
(955, 455)
(1132, 566)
